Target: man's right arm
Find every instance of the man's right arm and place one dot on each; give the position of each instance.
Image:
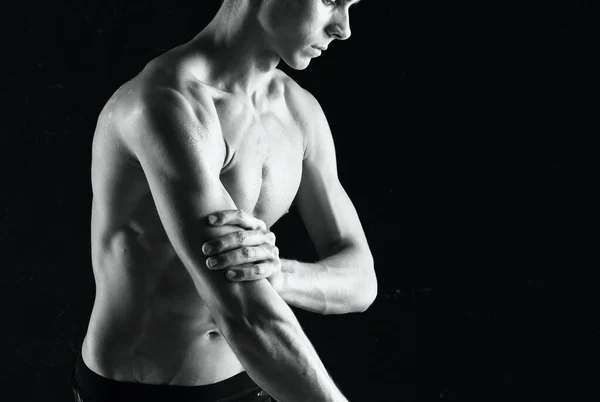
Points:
(177, 147)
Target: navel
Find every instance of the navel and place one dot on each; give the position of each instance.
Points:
(228, 156)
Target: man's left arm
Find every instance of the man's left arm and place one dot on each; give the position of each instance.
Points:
(343, 279)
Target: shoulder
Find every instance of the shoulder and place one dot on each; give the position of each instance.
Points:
(158, 101)
(308, 115)
(157, 112)
(301, 102)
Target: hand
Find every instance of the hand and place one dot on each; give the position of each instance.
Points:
(249, 254)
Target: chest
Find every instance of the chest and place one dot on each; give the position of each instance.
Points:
(263, 166)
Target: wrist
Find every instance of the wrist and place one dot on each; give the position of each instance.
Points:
(276, 281)
(279, 280)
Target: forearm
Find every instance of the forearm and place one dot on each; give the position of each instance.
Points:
(278, 356)
(262, 330)
(341, 283)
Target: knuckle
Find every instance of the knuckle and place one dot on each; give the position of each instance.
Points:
(247, 252)
(258, 270)
(272, 237)
(240, 214)
(241, 236)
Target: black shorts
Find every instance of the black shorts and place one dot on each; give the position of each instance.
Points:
(90, 387)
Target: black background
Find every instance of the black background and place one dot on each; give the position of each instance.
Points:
(464, 138)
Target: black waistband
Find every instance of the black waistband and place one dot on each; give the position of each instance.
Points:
(94, 385)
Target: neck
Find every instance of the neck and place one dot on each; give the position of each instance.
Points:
(240, 58)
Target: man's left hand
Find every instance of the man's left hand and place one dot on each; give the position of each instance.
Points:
(249, 254)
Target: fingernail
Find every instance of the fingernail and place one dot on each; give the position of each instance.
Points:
(212, 219)
(231, 274)
(206, 249)
(211, 262)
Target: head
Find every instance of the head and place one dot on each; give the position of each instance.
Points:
(297, 29)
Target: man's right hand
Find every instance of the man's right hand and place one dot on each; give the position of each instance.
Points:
(246, 255)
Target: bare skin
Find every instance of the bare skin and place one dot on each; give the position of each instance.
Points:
(197, 133)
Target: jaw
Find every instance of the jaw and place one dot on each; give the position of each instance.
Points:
(299, 59)
(298, 63)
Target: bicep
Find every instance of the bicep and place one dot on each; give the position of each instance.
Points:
(177, 153)
(324, 206)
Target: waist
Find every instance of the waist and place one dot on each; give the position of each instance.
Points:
(207, 360)
(152, 346)
(88, 382)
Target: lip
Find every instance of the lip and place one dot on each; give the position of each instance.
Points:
(317, 51)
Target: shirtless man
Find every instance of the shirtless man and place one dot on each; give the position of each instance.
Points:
(213, 128)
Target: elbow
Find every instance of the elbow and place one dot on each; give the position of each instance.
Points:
(368, 287)
(368, 298)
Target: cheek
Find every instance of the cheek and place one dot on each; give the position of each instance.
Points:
(309, 28)
(294, 23)
(304, 19)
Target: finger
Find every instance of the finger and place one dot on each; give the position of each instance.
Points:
(217, 217)
(242, 255)
(239, 239)
(236, 217)
(250, 272)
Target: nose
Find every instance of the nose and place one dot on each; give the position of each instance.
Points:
(340, 25)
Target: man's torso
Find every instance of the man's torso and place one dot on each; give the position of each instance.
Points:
(149, 324)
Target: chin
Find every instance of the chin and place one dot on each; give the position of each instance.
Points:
(298, 62)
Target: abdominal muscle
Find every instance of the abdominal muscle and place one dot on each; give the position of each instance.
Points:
(149, 324)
